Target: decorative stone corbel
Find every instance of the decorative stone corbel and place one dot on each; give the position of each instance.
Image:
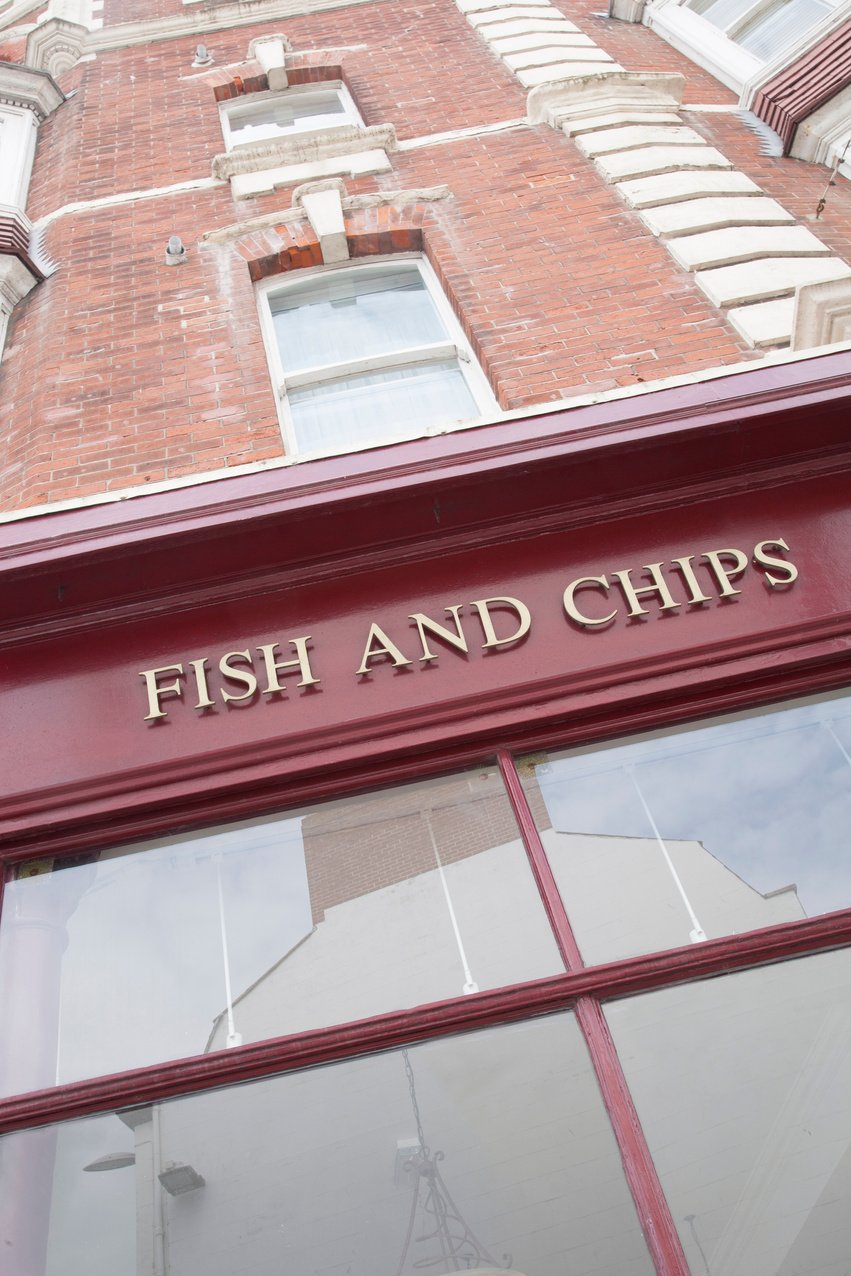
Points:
(56, 45)
(322, 202)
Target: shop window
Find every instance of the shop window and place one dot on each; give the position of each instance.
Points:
(700, 833)
(325, 915)
(367, 354)
(680, 1109)
(301, 110)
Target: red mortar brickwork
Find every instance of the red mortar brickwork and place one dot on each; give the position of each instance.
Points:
(353, 848)
(120, 371)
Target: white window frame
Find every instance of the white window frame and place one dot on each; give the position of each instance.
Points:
(254, 102)
(455, 347)
(717, 51)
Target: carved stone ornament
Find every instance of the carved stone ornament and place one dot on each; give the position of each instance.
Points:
(56, 45)
(29, 87)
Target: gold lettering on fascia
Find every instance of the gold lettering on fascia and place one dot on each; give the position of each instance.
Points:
(499, 623)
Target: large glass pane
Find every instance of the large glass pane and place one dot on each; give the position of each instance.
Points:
(780, 24)
(484, 1152)
(379, 405)
(292, 113)
(721, 13)
(701, 832)
(322, 916)
(742, 1088)
(354, 314)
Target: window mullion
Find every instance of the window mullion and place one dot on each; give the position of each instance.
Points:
(321, 373)
(735, 29)
(659, 1229)
(540, 865)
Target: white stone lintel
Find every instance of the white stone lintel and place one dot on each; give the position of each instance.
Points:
(359, 164)
(611, 89)
(345, 140)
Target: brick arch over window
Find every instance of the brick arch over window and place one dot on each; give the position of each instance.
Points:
(370, 232)
(241, 78)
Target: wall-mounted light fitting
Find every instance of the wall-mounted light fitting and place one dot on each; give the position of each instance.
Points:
(175, 253)
(203, 56)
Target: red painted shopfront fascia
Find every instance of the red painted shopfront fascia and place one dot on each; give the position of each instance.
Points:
(144, 642)
(93, 598)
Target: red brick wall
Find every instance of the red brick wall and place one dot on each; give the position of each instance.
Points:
(120, 371)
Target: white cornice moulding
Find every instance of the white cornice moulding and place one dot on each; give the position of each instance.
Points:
(330, 143)
(218, 17)
(29, 87)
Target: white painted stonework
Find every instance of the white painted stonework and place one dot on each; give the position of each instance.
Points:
(633, 137)
(551, 50)
(505, 12)
(770, 277)
(615, 119)
(325, 213)
(355, 164)
(587, 52)
(748, 255)
(744, 243)
(651, 160)
(540, 40)
(519, 26)
(764, 324)
(674, 188)
(694, 215)
(530, 79)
